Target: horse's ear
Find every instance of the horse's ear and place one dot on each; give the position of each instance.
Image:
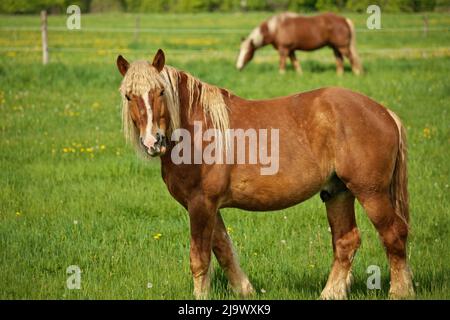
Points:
(159, 60)
(122, 65)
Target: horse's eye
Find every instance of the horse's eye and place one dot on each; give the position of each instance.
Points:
(128, 98)
(161, 93)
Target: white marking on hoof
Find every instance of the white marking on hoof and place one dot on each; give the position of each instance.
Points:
(337, 291)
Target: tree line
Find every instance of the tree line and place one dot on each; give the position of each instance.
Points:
(178, 6)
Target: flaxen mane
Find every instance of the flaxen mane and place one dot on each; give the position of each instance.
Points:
(141, 78)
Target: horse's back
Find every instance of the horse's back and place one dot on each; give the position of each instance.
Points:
(310, 33)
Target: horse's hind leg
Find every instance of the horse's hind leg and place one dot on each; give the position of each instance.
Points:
(393, 232)
(346, 240)
(339, 62)
(354, 60)
(225, 254)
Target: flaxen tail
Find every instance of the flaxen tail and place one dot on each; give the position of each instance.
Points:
(355, 61)
(399, 183)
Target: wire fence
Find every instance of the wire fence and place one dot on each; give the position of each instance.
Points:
(201, 30)
(434, 51)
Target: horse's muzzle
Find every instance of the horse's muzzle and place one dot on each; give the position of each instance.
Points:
(159, 148)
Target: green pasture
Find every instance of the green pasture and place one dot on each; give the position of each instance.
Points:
(73, 193)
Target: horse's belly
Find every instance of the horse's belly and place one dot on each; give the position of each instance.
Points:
(262, 193)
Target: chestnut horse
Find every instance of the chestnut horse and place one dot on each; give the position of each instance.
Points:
(288, 32)
(332, 141)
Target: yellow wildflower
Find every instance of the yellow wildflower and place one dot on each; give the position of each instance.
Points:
(157, 236)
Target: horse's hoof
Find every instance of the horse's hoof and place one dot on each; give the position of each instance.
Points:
(245, 290)
(405, 292)
(334, 293)
(201, 296)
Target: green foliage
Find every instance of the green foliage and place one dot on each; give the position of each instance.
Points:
(24, 6)
(152, 6)
(105, 6)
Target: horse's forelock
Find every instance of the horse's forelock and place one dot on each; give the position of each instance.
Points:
(141, 78)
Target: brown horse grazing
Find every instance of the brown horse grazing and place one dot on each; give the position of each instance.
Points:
(288, 32)
(331, 141)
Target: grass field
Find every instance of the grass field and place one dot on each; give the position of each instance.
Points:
(72, 192)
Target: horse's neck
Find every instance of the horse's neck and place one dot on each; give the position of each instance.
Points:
(258, 37)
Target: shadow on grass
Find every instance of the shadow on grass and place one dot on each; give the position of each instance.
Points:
(299, 286)
(308, 67)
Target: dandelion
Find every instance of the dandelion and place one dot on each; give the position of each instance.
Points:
(18, 213)
(230, 230)
(263, 290)
(75, 222)
(90, 150)
(427, 133)
(149, 285)
(157, 236)
(283, 241)
(102, 147)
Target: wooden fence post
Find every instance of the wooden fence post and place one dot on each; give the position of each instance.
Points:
(44, 37)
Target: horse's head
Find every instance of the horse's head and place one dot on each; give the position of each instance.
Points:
(145, 105)
(246, 53)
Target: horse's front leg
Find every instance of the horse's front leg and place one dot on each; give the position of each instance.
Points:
(202, 214)
(225, 254)
(283, 56)
(295, 62)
